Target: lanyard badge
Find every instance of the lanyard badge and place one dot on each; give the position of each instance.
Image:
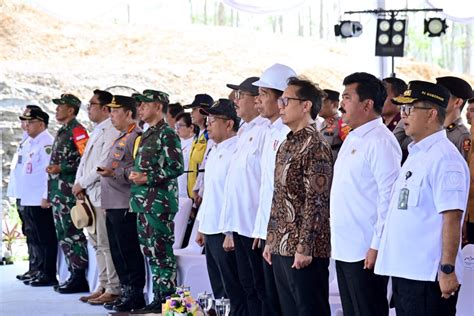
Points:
(404, 194)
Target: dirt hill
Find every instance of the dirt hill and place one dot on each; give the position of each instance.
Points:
(42, 57)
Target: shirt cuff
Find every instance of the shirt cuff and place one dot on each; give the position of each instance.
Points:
(375, 242)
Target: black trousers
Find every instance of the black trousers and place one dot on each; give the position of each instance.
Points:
(363, 293)
(302, 291)
(470, 233)
(250, 267)
(34, 264)
(421, 298)
(124, 247)
(222, 270)
(271, 292)
(44, 244)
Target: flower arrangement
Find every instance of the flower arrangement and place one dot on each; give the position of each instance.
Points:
(181, 304)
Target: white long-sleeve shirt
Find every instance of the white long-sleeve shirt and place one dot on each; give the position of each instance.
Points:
(33, 173)
(275, 134)
(183, 179)
(242, 186)
(15, 185)
(95, 155)
(365, 170)
(220, 158)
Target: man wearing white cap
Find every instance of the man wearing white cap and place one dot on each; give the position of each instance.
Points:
(241, 197)
(271, 85)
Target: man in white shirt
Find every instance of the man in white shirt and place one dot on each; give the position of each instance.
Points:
(366, 167)
(33, 197)
(88, 182)
(241, 196)
(186, 132)
(223, 124)
(271, 85)
(14, 189)
(420, 246)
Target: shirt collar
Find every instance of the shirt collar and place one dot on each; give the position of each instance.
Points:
(104, 124)
(38, 137)
(302, 133)
(278, 124)
(367, 127)
(427, 142)
(226, 143)
(257, 121)
(69, 124)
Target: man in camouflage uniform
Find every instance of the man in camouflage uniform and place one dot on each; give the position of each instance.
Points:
(66, 154)
(154, 194)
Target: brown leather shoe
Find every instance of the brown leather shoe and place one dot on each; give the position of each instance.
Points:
(103, 299)
(94, 295)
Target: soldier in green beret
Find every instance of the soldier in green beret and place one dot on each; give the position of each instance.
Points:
(154, 194)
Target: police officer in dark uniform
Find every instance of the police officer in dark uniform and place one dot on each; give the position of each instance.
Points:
(333, 127)
(120, 222)
(457, 132)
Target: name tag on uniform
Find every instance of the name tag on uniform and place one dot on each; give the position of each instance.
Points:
(403, 199)
(20, 158)
(29, 168)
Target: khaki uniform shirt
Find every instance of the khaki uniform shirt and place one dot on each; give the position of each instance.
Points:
(460, 136)
(331, 130)
(116, 190)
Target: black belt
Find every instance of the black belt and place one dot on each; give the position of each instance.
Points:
(189, 171)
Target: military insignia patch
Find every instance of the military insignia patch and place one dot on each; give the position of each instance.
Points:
(466, 144)
(48, 149)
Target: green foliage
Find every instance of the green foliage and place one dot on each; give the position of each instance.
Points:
(11, 228)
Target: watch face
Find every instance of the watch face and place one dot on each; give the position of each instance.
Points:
(447, 268)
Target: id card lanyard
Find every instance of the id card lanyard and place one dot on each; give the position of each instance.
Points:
(404, 193)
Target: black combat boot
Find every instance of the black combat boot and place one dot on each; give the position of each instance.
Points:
(133, 301)
(124, 292)
(155, 306)
(77, 284)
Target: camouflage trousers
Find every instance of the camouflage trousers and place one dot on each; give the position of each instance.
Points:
(156, 236)
(72, 240)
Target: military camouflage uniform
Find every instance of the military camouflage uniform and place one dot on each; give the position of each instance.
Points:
(156, 202)
(65, 153)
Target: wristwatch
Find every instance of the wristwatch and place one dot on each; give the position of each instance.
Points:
(447, 268)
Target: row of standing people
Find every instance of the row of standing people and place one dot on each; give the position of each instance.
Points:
(273, 191)
(118, 182)
(259, 137)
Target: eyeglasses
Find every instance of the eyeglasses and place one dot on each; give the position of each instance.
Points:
(406, 109)
(284, 101)
(88, 105)
(179, 125)
(212, 119)
(239, 94)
